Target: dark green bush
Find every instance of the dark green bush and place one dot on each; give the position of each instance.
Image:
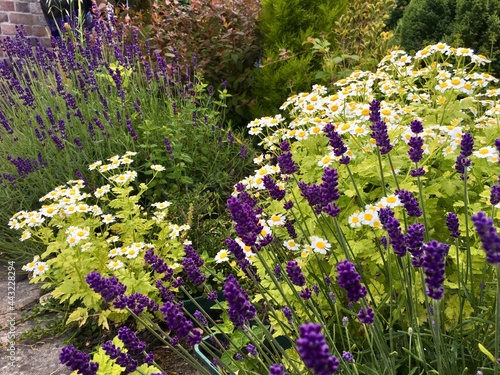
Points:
(426, 21)
(470, 23)
(477, 24)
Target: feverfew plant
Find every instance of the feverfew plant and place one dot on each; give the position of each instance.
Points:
(361, 222)
(106, 230)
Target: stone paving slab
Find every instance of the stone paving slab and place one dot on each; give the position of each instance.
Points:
(24, 358)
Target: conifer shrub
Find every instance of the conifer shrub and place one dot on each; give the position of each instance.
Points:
(424, 21)
(477, 24)
(288, 65)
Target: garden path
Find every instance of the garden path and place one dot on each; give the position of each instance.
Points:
(41, 357)
(32, 357)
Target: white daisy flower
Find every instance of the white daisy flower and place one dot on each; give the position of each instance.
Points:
(31, 265)
(26, 234)
(162, 205)
(99, 192)
(49, 210)
(486, 152)
(276, 220)
(112, 239)
(40, 268)
(222, 256)
(132, 252)
(157, 168)
(95, 165)
(369, 217)
(108, 219)
(319, 245)
(86, 246)
(291, 245)
(354, 220)
(390, 201)
(115, 265)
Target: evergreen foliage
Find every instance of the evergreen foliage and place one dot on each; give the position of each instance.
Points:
(287, 65)
(426, 21)
(477, 23)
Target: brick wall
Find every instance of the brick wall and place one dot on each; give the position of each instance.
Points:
(23, 12)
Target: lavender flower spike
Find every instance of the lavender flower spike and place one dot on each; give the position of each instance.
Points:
(348, 278)
(488, 235)
(240, 309)
(410, 203)
(379, 129)
(433, 262)
(295, 273)
(78, 361)
(314, 350)
(109, 289)
(452, 224)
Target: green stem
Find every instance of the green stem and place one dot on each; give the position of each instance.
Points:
(469, 270)
(497, 319)
(381, 172)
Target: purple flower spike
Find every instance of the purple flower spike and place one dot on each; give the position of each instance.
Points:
(314, 350)
(109, 289)
(495, 195)
(286, 163)
(246, 219)
(348, 278)
(295, 273)
(489, 237)
(337, 144)
(191, 264)
(416, 152)
(277, 369)
(121, 358)
(348, 357)
(240, 310)
(453, 224)
(366, 316)
(274, 191)
(175, 319)
(415, 241)
(396, 237)
(416, 127)
(130, 340)
(466, 147)
(410, 203)
(77, 361)
(433, 262)
(288, 314)
(379, 129)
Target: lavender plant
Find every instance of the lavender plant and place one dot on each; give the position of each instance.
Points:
(95, 95)
(351, 264)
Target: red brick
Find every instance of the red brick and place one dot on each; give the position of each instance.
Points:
(39, 31)
(35, 8)
(4, 17)
(22, 19)
(8, 29)
(22, 7)
(7, 5)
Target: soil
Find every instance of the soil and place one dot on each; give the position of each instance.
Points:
(20, 356)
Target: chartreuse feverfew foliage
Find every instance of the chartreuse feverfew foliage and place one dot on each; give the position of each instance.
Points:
(105, 230)
(365, 240)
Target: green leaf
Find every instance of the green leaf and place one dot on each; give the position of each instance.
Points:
(80, 315)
